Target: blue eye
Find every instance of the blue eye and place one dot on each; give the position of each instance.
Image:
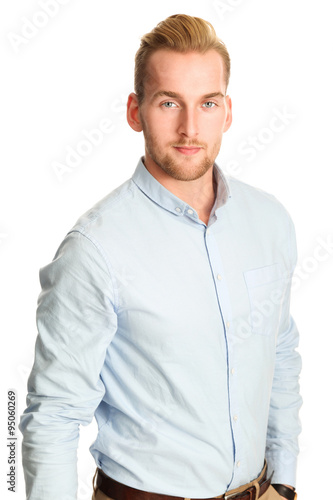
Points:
(209, 104)
(168, 104)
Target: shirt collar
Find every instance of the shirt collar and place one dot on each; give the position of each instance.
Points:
(167, 200)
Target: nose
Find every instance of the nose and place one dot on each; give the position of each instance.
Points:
(188, 123)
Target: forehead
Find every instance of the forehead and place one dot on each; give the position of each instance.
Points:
(187, 73)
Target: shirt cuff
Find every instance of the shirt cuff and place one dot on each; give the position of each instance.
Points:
(284, 466)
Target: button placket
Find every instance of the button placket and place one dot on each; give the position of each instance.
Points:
(223, 296)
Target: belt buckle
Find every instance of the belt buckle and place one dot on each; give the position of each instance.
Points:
(254, 492)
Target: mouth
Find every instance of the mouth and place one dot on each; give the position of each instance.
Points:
(188, 150)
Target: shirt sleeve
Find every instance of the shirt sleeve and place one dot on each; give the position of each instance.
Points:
(76, 322)
(284, 424)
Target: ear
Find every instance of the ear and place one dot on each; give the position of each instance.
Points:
(133, 115)
(228, 120)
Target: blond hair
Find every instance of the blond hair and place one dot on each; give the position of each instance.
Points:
(180, 33)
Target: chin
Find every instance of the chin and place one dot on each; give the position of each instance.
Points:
(179, 171)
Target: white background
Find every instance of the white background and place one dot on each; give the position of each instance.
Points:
(73, 70)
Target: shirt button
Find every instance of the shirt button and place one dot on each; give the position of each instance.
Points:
(235, 418)
(228, 324)
(238, 463)
(208, 232)
(219, 277)
(178, 209)
(190, 212)
(232, 371)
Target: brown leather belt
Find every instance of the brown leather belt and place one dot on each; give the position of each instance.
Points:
(118, 491)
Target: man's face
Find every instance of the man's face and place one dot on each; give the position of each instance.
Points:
(184, 112)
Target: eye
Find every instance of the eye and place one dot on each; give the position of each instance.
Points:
(168, 104)
(209, 104)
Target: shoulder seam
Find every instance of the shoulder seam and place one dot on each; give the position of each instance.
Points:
(82, 227)
(100, 249)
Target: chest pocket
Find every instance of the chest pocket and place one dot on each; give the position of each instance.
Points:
(266, 288)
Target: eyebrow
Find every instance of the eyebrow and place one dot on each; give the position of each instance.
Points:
(174, 95)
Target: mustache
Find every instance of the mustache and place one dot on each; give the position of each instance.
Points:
(192, 143)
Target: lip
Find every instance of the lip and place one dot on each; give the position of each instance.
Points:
(189, 150)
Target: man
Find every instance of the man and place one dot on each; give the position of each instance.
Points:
(165, 312)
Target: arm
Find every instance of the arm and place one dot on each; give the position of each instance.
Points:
(283, 425)
(76, 322)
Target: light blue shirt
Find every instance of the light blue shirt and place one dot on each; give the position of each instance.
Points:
(176, 335)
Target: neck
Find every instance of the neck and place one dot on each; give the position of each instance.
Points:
(199, 194)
